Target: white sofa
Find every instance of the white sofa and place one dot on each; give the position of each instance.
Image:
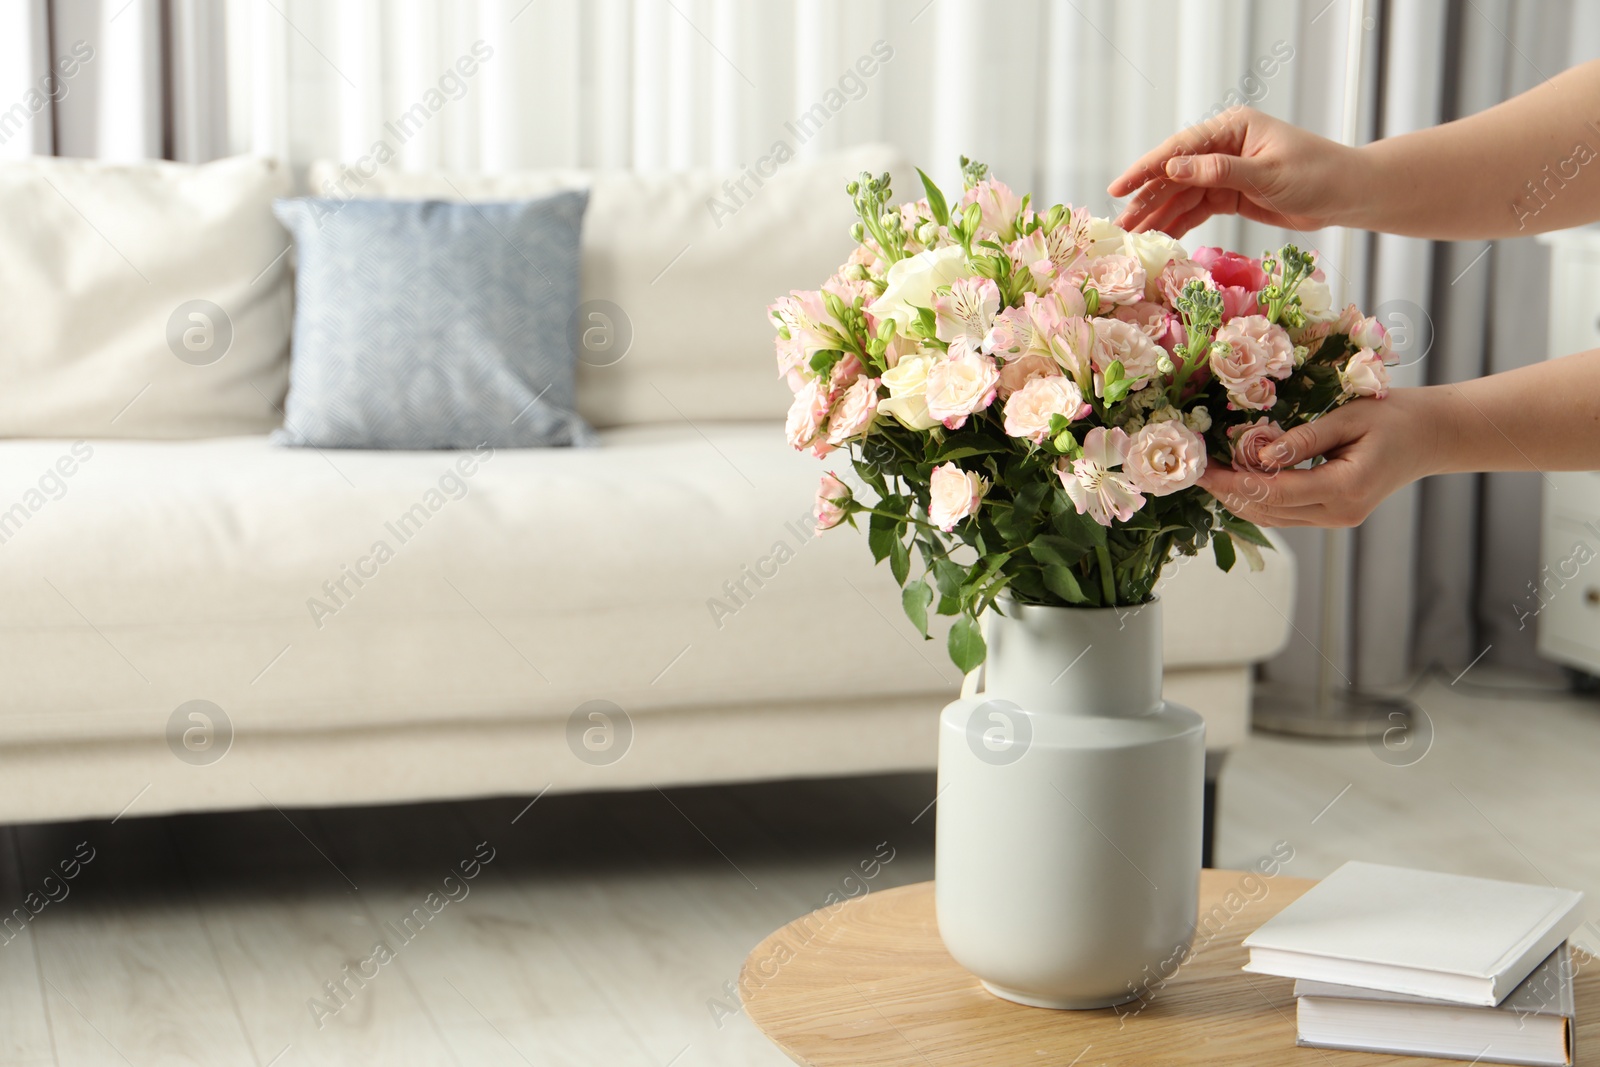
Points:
(522, 585)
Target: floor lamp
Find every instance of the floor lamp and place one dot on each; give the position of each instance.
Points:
(1332, 711)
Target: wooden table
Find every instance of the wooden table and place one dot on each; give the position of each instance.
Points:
(870, 983)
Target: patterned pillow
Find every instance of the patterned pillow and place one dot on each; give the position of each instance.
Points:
(424, 324)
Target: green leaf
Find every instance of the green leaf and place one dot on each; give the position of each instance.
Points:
(1222, 549)
(964, 444)
(1064, 584)
(899, 559)
(1015, 524)
(1245, 530)
(966, 646)
(882, 533)
(950, 577)
(915, 599)
(936, 203)
(1080, 530)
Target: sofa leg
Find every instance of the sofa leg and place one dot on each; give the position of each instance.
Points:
(1208, 831)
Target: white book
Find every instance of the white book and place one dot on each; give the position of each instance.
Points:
(1423, 933)
(1533, 1025)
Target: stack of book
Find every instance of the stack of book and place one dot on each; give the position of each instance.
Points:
(1426, 964)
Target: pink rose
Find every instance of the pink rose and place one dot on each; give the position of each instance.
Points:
(1248, 348)
(1125, 343)
(1249, 439)
(1232, 269)
(1178, 273)
(854, 412)
(1258, 395)
(1029, 410)
(1118, 279)
(1365, 375)
(953, 494)
(1369, 333)
(803, 426)
(833, 499)
(1158, 324)
(1019, 371)
(959, 386)
(1164, 457)
(845, 372)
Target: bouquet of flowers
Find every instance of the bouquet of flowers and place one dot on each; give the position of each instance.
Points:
(1031, 396)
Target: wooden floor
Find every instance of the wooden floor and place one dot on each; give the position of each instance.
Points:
(608, 929)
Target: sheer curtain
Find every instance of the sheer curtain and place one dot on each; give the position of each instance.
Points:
(1057, 95)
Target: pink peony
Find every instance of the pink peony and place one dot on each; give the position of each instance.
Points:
(1029, 410)
(1365, 375)
(1249, 439)
(1095, 489)
(1232, 269)
(1118, 279)
(1164, 457)
(833, 499)
(854, 411)
(959, 386)
(953, 494)
(1238, 303)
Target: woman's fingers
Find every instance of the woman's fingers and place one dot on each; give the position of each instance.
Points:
(1317, 437)
(1220, 134)
(1279, 491)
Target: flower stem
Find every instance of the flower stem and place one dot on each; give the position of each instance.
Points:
(1107, 589)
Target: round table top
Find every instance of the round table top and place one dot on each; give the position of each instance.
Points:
(868, 982)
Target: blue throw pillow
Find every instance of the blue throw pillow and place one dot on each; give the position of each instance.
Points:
(426, 324)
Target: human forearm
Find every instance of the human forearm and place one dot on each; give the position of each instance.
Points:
(1542, 417)
(1525, 166)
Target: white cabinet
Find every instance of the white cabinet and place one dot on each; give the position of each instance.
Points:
(1564, 601)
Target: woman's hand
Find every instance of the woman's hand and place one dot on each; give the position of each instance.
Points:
(1373, 447)
(1240, 163)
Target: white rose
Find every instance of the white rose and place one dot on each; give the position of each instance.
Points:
(959, 386)
(911, 282)
(1030, 408)
(1105, 237)
(1164, 457)
(1154, 250)
(908, 390)
(1316, 300)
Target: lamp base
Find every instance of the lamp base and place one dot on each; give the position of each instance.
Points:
(1337, 717)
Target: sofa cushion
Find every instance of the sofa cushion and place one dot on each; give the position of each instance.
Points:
(684, 263)
(672, 567)
(147, 300)
(423, 324)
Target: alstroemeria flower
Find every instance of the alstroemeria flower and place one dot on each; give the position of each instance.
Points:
(1096, 489)
(965, 314)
